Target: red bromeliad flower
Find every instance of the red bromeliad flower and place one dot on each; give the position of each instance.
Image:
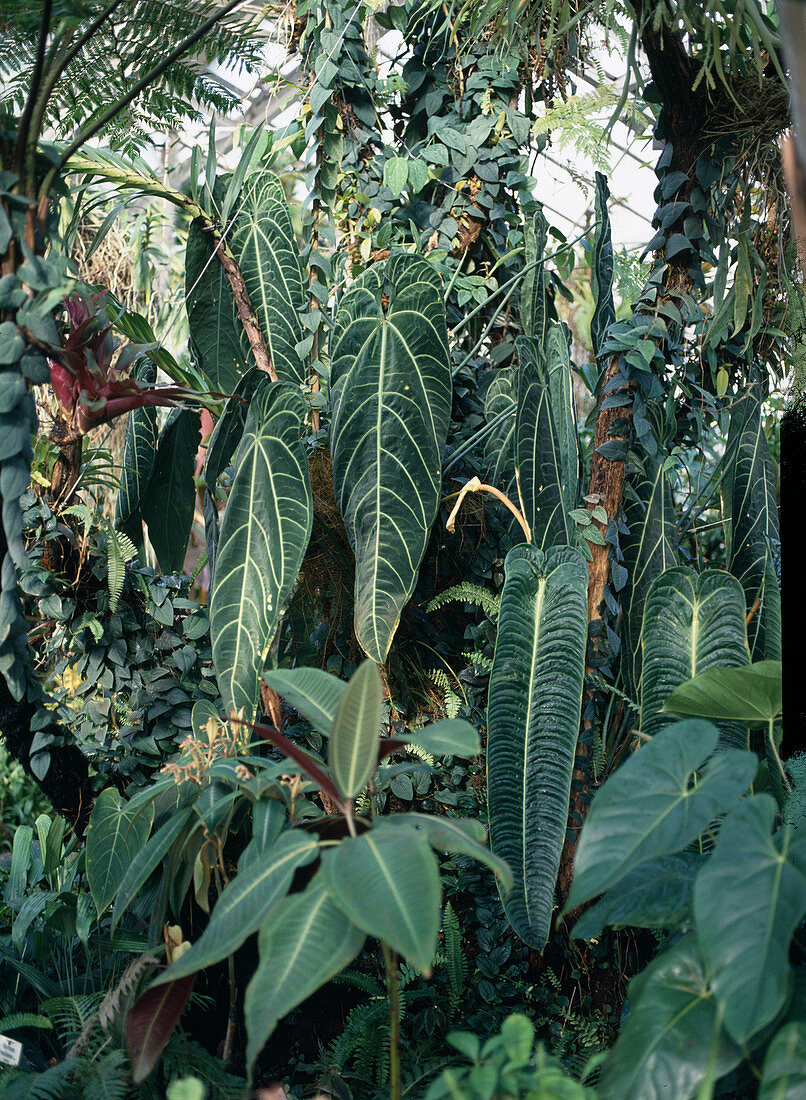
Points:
(90, 390)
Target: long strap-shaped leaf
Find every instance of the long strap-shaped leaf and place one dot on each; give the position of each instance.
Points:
(691, 623)
(538, 453)
(533, 723)
(167, 506)
(604, 313)
(264, 535)
(139, 457)
(750, 515)
(391, 390)
(648, 549)
(264, 246)
(561, 390)
(533, 292)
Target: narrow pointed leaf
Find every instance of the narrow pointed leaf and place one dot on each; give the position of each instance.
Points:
(533, 292)
(151, 1022)
(466, 836)
(652, 807)
(215, 332)
(228, 431)
(533, 724)
(561, 391)
(784, 1076)
(499, 446)
(305, 942)
(604, 313)
(267, 254)
(315, 694)
(115, 835)
(245, 903)
(649, 549)
(672, 1037)
(146, 860)
(169, 501)
(750, 515)
(692, 622)
(139, 458)
(538, 454)
(391, 392)
(264, 535)
(387, 883)
(353, 749)
(745, 944)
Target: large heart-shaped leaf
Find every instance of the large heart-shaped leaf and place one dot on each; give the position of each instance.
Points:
(168, 504)
(305, 942)
(264, 245)
(354, 735)
(387, 882)
(450, 834)
(651, 806)
(538, 455)
(391, 391)
(672, 1037)
(115, 835)
(264, 535)
(648, 550)
(245, 903)
(784, 1076)
(692, 622)
(533, 724)
(748, 901)
(751, 695)
(315, 694)
(750, 515)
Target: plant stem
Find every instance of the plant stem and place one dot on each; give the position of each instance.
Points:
(36, 79)
(476, 486)
(393, 993)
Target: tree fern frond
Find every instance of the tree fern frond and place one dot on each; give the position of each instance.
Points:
(106, 1078)
(69, 1015)
(55, 1083)
(24, 1019)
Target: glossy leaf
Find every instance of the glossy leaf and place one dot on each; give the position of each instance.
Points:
(306, 941)
(649, 549)
(467, 836)
(355, 733)
(745, 941)
(387, 883)
(750, 515)
(656, 894)
(672, 1037)
(245, 903)
(115, 835)
(139, 458)
(169, 501)
(311, 692)
(533, 724)
(215, 331)
(264, 536)
(391, 394)
(652, 807)
(538, 454)
(151, 1022)
(751, 695)
(264, 245)
(692, 622)
(784, 1075)
(147, 859)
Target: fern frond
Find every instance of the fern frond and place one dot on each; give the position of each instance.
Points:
(451, 701)
(70, 1015)
(473, 594)
(455, 962)
(105, 1079)
(55, 1083)
(24, 1019)
(365, 982)
(119, 550)
(478, 661)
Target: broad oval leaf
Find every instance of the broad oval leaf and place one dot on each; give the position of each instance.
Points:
(306, 941)
(168, 504)
(692, 622)
(115, 835)
(538, 455)
(245, 903)
(449, 834)
(752, 695)
(748, 901)
(355, 733)
(750, 515)
(649, 549)
(651, 807)
(533, 724)
(264, 245)
(391, 392)
(784, 1075)
(264, 535)
(151, 1022)
(315, 694)
(672, 1037)
(387, 883)
(449, 737)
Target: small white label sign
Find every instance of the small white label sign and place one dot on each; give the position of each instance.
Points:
(10, 1051)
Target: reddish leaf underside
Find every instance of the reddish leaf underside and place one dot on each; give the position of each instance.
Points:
(151, 1021)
